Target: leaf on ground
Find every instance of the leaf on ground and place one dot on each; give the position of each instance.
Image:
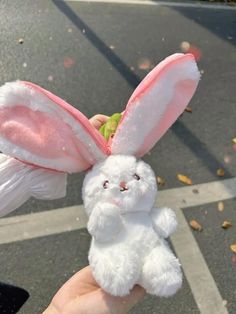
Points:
(144, 64)
(195, 225)
(226, 224)
(234, 258)
(160, 181)
(234, 140)
(233, 248)
(221, 206)
(184, 179)
(188, 109)
(220, 172)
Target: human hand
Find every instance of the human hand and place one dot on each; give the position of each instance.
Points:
(82, 295)
(98, 120)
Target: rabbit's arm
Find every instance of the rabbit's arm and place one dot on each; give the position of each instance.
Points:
(164, 221)
(104, 222)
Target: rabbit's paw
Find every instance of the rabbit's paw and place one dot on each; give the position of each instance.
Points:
(161, 274)
(115, 270)
(104, 222)
(164, 221)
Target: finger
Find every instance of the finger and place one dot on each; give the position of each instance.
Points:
(124, 304)
(79, 284)
(133, 298)
(104, 303)
(51, 310)
(98, 120)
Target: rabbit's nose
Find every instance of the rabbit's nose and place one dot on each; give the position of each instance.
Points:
(123, 186)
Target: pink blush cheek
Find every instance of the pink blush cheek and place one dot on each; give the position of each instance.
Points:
(37, 132)
(117, 202)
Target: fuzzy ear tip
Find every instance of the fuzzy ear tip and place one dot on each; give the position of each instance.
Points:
(196, 72)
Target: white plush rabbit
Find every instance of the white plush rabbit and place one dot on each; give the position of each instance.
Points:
(128, 245)
(44, 138)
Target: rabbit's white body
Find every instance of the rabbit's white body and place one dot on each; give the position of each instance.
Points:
(128, 245)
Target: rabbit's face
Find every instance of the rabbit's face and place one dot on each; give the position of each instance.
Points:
(121, 180)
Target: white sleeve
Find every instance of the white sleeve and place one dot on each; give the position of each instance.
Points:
(19, 181)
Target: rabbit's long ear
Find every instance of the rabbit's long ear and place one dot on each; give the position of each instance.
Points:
(18, 182)
(41, 129)
(156, 104)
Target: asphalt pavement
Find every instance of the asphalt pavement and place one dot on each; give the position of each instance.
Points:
(93, 55)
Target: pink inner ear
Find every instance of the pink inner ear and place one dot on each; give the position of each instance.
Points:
(100, 141)
(40, 134)
(36, 132)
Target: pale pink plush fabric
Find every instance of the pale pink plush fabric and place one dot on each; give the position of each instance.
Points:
(82, 119)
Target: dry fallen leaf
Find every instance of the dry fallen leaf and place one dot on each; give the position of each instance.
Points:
(220, 172)
(234, 147)
(226, 224)
(233, 248)
(144, 64)
(234, 140)
(228, 159)
(234, 258)
(195, 225)
(188, 109)
(160, 181)
(184, 179)
(184, 46)
(221, 206)
(68, 62)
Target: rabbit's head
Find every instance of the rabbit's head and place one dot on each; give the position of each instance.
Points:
(122, 180)
(41, 130)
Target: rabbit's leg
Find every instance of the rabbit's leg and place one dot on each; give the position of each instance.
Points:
(115, 269)
(161, 274)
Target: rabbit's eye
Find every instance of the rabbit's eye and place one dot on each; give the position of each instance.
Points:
(105, 184)
(136, 176)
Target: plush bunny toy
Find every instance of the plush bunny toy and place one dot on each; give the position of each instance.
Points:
(43, 138)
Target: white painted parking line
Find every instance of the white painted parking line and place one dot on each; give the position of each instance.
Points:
(198, 194)
(201, 282)
(162, 3)
(23, 227)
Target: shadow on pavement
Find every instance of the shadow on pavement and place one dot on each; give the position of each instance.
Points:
(180, 130)
(221, 23)
(11, 298)
(117, 63)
